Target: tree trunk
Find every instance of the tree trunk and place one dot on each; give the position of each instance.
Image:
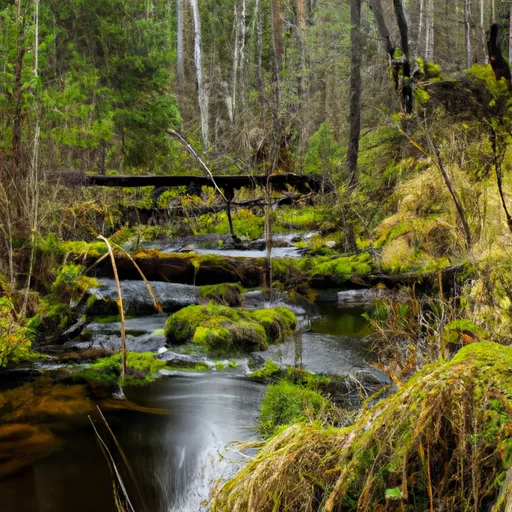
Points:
(420, 25)
(259, 73)
(355, 92)
(201, 89)
(180, 72)
(239, 51)
(382, 29)
(276, 114)
(467, 27)
(301, 39)
(429, 32)
(18, 95)
(510, 36)
(277, 38)
(485, 58)
(406, 91)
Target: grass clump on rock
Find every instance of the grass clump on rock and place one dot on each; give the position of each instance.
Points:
(221, 329)
(228, 294)
(287, 403)
(142, 368)
(443, 441)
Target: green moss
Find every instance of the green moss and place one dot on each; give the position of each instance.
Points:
(342, 267)
(268, 370)
(142, 368)
(245, 223)
(307, 218)
(287, 403)
(221, 329)
(226, 294)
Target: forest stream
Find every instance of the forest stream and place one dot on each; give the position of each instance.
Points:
(175, 431)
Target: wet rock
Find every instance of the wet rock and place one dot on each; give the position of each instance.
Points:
(175, 359)
(70, 333)
(112, 342)
(136, 298)
(362, 296)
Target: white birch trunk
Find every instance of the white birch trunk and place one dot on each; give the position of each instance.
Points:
(201, 89)
(239, 51)
(180, 72)
(36, 38)
(236, 54)
(420, 26)
(467, 25)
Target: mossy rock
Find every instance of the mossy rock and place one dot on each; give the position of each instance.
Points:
(221, 329)
(228, 294)
(426, 446)
(141, 368)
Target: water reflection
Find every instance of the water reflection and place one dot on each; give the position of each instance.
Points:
(176, 457)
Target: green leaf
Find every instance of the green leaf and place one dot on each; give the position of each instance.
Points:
(394, 494)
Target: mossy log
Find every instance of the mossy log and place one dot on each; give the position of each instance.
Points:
(189, 268)
(443, 441)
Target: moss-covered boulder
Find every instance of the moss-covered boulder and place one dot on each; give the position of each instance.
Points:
(443, 441)
(221, 329)
(227, 294)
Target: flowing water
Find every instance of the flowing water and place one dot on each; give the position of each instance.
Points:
(178, 453)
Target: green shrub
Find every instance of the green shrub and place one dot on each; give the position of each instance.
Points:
(15, 343)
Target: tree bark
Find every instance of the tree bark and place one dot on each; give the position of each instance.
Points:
(407, 97)
(420, 25)
(202, 93)
(382, 29)
(301, 39)
(180, 72)
(259, 37)
(238, 53)
(355, 92)
(467, 28)
(510, 36)
(481, 28)
(429, 32)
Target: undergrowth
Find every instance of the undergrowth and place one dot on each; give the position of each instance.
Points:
(443, 441)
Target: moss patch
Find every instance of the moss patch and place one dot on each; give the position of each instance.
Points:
(142, 368)
(220, 329)
(287, 403)
(227, 294)
(448, 426)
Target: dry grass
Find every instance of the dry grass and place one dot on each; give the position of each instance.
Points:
(443, 441)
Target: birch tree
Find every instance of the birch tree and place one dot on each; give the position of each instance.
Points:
(467, 30)
(202, 93)
(355, 91)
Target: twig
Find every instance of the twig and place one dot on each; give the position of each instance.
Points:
(112, 464)
(120, 306)
(195, 154)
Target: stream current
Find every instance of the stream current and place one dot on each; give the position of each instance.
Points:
(177, 455)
